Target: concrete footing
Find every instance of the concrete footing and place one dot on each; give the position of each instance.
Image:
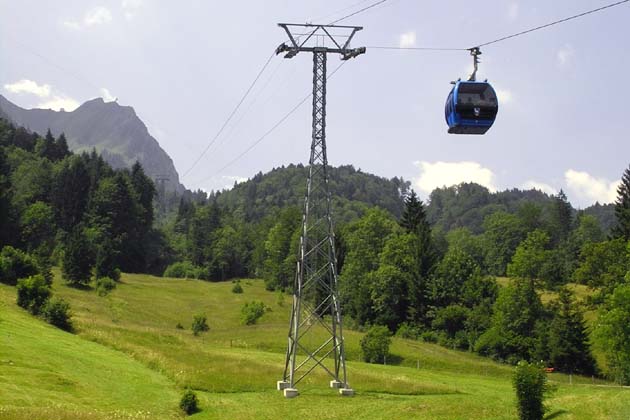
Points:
(282, 385)
(290, 393)
(346, 392)
(336, 384)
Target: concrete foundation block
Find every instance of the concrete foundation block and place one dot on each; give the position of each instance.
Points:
(346, 392)
(337, 384)
(290, 393)
(282, 385)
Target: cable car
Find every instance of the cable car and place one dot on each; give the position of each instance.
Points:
(472, 106)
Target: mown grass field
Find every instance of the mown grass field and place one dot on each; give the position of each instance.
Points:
(128, 360)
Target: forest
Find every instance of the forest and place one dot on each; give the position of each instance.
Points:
(466, 270)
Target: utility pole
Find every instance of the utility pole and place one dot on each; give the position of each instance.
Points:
(315, 330)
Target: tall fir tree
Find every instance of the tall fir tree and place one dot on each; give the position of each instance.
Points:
(622, 208)
(561, 218)
(414, 220)
(569, 349)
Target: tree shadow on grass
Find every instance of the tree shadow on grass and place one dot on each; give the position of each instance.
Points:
(555, 414)
(393, 360)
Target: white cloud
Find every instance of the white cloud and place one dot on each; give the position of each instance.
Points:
(408, 39)
(540, 186)
(513, 10)
(587, 189)
(107, 96)
(440, 174)
(57, 103)
(565, 55)
(28, 86)
(131, 7)
(96, 16)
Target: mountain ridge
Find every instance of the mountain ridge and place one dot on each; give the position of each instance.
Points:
(115, 131)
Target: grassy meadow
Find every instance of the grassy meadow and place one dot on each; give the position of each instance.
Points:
(128, 360)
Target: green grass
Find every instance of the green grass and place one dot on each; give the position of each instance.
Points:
(132, 332)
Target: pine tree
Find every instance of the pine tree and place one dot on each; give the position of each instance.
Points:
(568, 338)
(61, 147)
(622, 208)
(46, 147)
(414, 220)
(561, 218)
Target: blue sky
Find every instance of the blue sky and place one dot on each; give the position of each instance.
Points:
(184, 65)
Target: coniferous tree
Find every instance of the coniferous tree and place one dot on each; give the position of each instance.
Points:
(414, 220)
(561, 218)
(61, 147)
(45, 147)
(569, 349)
(622, 208)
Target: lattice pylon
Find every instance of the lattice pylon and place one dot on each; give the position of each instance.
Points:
(315, 331)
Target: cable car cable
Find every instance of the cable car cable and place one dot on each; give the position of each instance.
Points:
(599, 9)
(537, 28)
(238, 105)
(358, 11)
(271, 130)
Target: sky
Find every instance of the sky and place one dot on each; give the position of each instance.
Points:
(185, 65)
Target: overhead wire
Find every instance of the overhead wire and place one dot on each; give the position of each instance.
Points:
(358, 11)
(579, 15)
(229, 118)
(271, 130)
(527, 31)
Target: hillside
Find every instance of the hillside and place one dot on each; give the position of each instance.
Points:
(352, 191)
(114, 131)
(233, 367)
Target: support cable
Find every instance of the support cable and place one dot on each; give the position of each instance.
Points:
(271, 130)
(214, 139)
(504, 38)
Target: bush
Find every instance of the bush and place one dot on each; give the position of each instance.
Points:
(104, 285)
(375, 344)
(57, 312)
(14, 265)
(200, 324)
(32, 293)
(237, 288)
(530, 383)
(251, 312)
(189, 402)
(184, 270)
(429, 337)
(408, 331)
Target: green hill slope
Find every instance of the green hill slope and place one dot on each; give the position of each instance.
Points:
(234, 367)
(46, 373)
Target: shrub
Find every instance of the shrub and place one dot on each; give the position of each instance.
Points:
(184, 270)
(57, 312)
(32, 293)
(375, 344)
(251, 312)
(15, 264)
(237, 288)
(189, 402)
(408, 331)
(104, 285)
(429, 337)
(530, 383)
(200, 324)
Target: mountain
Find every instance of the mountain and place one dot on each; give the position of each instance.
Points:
(352, 190)
(114, 131)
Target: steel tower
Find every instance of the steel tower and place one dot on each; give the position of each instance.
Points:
(315, 330)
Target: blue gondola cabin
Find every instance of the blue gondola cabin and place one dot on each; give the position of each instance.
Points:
(471, 107)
